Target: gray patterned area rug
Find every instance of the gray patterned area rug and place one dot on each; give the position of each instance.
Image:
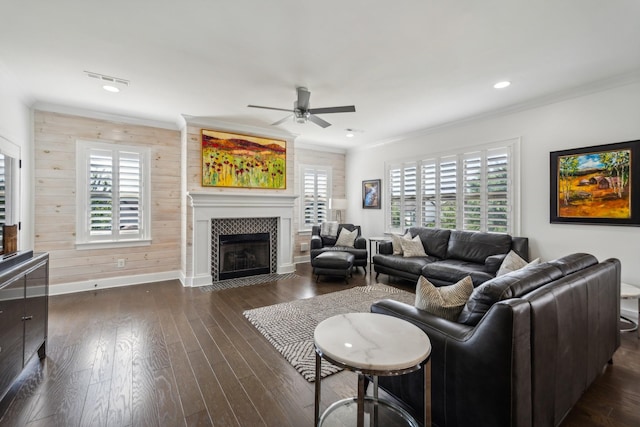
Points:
(247, 281)
(289, 326)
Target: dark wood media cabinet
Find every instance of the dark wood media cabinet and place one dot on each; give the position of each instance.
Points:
(24, 293)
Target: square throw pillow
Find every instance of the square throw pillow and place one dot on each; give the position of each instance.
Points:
(347, 238)
(412, 248)
(513, 262)
(396, 240)
(443, 301)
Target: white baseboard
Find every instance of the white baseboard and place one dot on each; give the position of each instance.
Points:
(115, 282)
(301, 259)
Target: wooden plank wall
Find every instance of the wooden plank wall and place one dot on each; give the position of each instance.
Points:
(305, 156)
(55, 138)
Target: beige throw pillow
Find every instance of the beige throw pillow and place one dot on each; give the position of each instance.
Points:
(396, 242)
(347, 238)
(513, 262)
(412, 248)
(443, 301)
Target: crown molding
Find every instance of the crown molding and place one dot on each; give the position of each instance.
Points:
(100, 115)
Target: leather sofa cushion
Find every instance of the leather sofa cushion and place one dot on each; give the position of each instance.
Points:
(453, 270)
(434, 240)
(398, 262)
(476, 246)
(574, 262)
(512, 285)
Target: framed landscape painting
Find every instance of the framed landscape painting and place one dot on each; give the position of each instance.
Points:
(371, 194)
(243, 161)
(596, 185)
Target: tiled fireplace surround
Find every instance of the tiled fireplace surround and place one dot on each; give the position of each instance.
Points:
(207, 207)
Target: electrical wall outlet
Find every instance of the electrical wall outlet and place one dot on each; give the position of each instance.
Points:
(121, 263)
(304, 247)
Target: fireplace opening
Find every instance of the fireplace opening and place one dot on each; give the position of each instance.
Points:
(244, 255)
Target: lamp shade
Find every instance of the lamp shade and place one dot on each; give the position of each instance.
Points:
(338, 204)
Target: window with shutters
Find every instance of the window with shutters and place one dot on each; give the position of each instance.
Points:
(3, 193)
(316, 192)
(467, 190)
(113, 194)
(9, 185)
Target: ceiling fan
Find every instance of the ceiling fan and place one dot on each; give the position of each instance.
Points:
(303, 113)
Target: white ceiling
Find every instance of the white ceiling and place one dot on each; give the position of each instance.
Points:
(407, 65)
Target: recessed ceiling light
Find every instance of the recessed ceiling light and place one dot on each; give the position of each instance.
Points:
(109, 83)
(110, 88)
(350, 133)
(502, 85)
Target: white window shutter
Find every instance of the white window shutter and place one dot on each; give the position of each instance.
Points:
(448, 193)
(316, 190)
(498, 191)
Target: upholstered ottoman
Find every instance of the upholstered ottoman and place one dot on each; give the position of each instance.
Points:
(333, 263)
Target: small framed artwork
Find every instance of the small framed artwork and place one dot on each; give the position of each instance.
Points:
(596, 185)
(371, 194)
(243, 161)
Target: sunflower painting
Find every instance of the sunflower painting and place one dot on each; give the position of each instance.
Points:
(242, 161)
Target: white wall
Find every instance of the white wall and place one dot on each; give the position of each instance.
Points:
(608, 116)
(15, 127)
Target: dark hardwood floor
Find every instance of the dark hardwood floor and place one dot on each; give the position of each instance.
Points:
(162, 355)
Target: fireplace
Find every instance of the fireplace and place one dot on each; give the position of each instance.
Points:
(243, 255)
(211, 214)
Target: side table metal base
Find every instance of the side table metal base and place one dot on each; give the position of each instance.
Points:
(632, 328)
(377, 412)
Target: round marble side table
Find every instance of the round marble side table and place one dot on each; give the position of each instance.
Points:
(371, 344)
(630, 292)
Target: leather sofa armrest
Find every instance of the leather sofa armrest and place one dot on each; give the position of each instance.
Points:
(316, 242)
(425, 321)
(360, 243)
(385, 248)
(492, 263)
(492, 359)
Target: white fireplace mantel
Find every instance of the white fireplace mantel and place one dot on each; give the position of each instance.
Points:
(206, 206)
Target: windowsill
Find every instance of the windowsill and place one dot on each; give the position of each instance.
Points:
(304, 232)
(110, 244)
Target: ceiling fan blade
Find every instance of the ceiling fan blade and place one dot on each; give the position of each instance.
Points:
(271, 108)
(303, 98)
(317, 120)
(281, 120)
(344, 109)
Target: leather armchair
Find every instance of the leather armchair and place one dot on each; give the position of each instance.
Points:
(320, 244)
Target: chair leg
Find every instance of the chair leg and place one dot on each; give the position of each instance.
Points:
(317, 278)
(377, 274)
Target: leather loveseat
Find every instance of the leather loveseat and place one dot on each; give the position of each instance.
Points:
(524, 349)
(451, 255)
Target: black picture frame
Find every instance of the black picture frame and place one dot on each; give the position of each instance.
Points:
(371, 194)
(599, 184)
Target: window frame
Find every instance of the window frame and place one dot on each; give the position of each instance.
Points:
(512, 149)
(304, 226)
(84, 239)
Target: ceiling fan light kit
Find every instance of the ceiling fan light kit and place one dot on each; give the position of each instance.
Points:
(302, 113)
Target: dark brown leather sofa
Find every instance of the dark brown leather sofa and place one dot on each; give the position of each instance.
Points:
(525, 348)
(451, 255)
